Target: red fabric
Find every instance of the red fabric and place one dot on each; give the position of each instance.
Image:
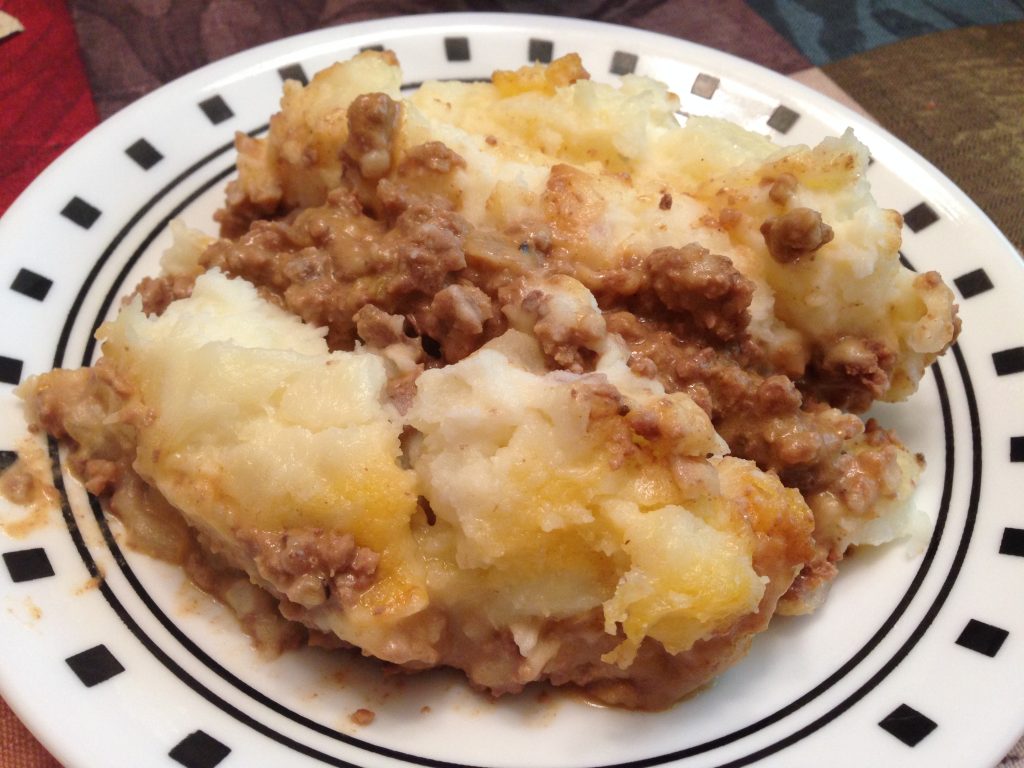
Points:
(18, 748)
(47, 103)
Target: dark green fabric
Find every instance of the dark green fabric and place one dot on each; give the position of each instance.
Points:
(828, 30)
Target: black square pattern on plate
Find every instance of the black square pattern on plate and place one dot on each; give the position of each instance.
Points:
(28, 283)
(704, 86)
(906, 262)
(144, 154)
(293, 72)
(623, 63)
(94, 666)
(908, 725)
(783, 118)
(80, 212)
(216, 109)
(28, 564)
(1017, 448)
(1012, 543)
(7, 458)
(456, 48)
(199, 750)
(1009, 361)
(973, 283)
(540, 50)
(982, 637)
(919, 217)
(10, 370)
(377, 47)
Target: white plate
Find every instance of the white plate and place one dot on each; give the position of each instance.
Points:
(913, 661)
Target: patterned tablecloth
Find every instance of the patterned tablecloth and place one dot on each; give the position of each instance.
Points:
(943, 76)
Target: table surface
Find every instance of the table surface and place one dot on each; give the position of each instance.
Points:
(944, 77)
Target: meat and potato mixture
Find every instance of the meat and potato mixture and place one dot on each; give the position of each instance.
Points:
(523, 378)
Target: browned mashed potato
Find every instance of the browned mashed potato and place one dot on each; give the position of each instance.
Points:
(520, 377)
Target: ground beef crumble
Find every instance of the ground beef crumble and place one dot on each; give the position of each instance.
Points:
(795, 234)
(312, 566)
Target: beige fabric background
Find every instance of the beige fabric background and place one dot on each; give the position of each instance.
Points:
(956, 97)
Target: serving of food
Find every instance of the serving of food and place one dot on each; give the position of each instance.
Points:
(528, 378)
(470, 392)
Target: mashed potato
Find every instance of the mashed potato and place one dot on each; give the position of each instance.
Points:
(522, 377)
